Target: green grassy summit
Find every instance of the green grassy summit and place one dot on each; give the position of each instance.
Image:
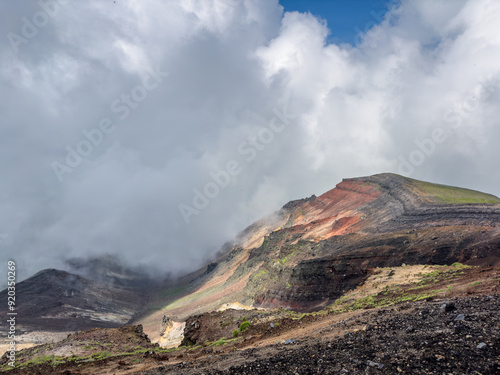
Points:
(450, 194)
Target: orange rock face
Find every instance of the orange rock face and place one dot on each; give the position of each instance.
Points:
(338, 211)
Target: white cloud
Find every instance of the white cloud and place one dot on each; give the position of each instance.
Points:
(231, 65)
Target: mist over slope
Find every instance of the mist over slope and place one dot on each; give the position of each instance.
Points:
(370, 242)
(316, 250)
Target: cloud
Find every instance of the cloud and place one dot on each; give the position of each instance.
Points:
(233, 66)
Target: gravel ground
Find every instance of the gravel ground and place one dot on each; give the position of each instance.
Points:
(459, 336)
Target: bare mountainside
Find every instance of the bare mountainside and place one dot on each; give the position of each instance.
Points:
(103, 294)
(409, 320)
(368, 243)
(314, 250)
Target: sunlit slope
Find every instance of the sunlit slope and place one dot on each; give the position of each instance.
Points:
(314, 250)
(444, 194)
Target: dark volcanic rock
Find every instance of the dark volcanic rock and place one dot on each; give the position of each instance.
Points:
(329, 243)
(431, 347)
(54, 300)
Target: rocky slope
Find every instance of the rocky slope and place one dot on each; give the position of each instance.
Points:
(409, 320)
(314, 250)
(313, 253)
(449, 337)
(54, 302)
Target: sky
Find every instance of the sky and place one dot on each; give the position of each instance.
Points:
(346, 19)
(157, 130)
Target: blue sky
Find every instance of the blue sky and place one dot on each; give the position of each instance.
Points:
(345, 18)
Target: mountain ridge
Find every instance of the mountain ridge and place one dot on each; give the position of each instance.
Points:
(314, 257)
(303, 257)
(366, 222)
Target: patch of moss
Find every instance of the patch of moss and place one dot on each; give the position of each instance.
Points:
(460, 265)
(288, 257)
(221, 342)
(440, 275)
(452, 195)
(395, 294)
(244, 326)
(371, 301)
(101, 355)
(51, 360)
